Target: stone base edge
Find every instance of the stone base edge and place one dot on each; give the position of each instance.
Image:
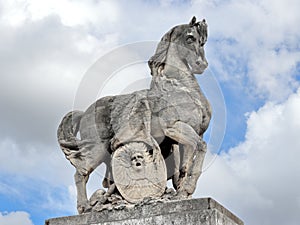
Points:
(203, 211)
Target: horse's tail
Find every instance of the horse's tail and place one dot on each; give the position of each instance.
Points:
(66, 135)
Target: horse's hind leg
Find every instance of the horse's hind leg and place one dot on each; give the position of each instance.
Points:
(92, 156)
(82, 201)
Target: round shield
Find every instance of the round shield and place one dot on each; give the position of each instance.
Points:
(137, 173)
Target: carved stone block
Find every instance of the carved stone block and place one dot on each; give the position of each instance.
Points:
(204, 211)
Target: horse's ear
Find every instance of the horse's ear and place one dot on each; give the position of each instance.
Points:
(193, 21)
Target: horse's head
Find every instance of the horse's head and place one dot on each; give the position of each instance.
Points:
(187, 44)
(191, 45)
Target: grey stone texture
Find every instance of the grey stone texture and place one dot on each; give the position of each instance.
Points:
(204, 211)
(158, 131)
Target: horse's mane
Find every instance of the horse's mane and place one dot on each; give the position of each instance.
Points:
(159, 58)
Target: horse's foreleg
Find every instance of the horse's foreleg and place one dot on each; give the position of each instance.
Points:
(82, 201)
(185, 135)
(196, 167)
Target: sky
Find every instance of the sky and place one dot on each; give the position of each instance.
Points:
(50, 49)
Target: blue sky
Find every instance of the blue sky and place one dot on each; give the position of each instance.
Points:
(47, 47)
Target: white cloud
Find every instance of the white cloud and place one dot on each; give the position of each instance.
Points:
(261, 175)
(256, 43)
(71, 13)
(265, 36)
(46, 46)
(42, 64)
(38, 162)
(272, 72)
(15, 218)
(133, 73)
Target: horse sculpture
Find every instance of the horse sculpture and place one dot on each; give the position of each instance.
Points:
(168, 119)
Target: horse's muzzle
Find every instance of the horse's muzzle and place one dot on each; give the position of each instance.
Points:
(200, 66)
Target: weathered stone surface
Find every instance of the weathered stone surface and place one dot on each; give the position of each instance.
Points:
(173, 111)
(136, 174)
(205, 211)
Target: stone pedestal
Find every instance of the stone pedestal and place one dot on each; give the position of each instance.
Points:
(204, 211)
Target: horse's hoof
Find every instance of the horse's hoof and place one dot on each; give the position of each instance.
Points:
(84, 208)
(180, 195)
(80, 209)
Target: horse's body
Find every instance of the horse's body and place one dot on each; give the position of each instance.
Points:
(173, 111)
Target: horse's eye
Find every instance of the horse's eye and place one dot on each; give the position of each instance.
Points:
(190, 39)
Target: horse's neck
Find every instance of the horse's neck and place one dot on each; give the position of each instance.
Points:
(177, 82)
(176, 75)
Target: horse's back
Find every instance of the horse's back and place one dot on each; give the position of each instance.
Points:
(102, 120)
(95, 123)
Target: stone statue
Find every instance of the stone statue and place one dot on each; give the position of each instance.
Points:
(146, 137)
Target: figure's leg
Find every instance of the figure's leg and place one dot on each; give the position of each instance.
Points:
(176, 171)
(108, 179)
(186, 135)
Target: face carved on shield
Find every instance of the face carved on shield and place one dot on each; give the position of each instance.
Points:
(137, 160)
